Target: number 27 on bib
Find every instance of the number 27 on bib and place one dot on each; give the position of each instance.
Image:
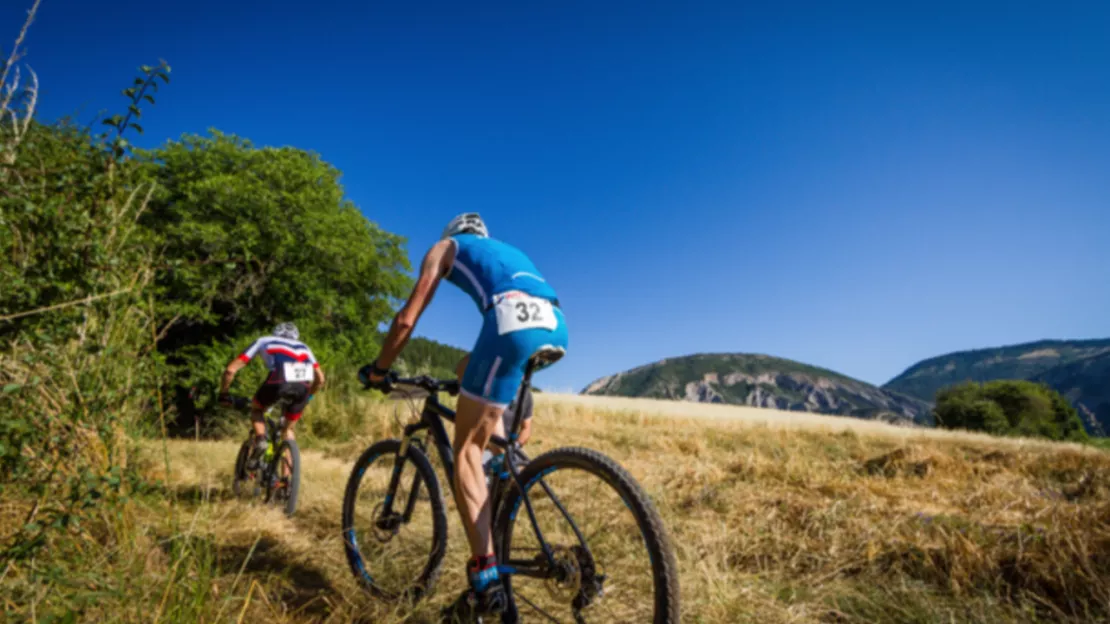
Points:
(298, 372)
(518, 311)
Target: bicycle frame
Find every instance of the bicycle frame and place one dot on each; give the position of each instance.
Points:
(431, 418)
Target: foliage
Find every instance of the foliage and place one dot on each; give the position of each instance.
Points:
(1086, 383)
(256, 236)
(76, 324)
(1009, 407)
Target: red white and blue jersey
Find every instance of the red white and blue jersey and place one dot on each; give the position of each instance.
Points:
(275, 352)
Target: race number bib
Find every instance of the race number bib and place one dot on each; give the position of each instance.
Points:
(298, 372)
(517, 311)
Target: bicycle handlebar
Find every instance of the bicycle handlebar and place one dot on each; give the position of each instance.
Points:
(424, 382)
(239, 402)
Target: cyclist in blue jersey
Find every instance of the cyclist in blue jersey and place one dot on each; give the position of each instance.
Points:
(520, 315)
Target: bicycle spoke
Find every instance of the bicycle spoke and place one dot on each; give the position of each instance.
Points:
(534, 606)
(393, 551)
(615, 554)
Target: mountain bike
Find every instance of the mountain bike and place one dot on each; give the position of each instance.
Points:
(278, 471)
(548, 563)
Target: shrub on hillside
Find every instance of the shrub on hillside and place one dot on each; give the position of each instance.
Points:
(1009, 407)
(76, 324)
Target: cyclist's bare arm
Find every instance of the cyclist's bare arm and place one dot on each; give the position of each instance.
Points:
(233, 367)
(435, 265)
(318, 380)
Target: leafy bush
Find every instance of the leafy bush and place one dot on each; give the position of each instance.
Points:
(76, 323)
(1009, 407)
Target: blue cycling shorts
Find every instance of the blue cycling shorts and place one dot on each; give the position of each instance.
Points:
(497, 362)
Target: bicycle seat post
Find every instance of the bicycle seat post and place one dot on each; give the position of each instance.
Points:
(514, 431)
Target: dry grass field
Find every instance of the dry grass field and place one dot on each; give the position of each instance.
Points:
(775, 517)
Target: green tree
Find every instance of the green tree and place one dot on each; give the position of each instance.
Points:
(255, 236)
(1009, 407)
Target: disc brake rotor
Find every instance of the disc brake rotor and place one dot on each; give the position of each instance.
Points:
(384, 528)
(564, 584)
(591, 580)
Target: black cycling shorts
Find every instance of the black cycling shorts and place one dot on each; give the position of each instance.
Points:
(269, 393)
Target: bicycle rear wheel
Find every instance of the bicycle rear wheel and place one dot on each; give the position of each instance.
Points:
(395, 555)
(284, 488)
(614, 559)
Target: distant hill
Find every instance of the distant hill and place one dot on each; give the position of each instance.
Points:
(1023, 361)
(762, 381)
(1086, 383)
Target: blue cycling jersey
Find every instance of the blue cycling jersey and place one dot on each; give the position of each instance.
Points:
(485, 267)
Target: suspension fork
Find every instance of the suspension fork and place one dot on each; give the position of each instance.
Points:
(399, 459)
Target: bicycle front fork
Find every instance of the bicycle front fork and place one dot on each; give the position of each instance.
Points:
(388, 515)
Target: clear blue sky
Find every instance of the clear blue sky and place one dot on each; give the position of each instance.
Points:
(856, 186)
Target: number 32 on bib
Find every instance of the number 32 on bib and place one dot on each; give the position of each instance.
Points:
(517, 311)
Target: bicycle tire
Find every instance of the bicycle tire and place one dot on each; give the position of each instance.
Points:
(294, 486)
(428, 576)
(239, 477)
(664, 565)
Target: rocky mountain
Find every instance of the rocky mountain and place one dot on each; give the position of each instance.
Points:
(762, 381)
(1023, 361)
(1086, 383)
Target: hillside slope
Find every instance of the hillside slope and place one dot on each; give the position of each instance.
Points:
(801, 526)
(1022, 361)
(762, 381)
(1086, 383)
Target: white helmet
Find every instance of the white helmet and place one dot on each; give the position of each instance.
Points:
(467, 222)
(287, 330)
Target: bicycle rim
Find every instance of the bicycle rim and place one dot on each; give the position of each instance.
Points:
(394, 558)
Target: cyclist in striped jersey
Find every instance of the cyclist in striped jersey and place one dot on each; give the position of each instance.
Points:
(292, 368)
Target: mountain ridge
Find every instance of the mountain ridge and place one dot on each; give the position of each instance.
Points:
(1018, 361)
(761, 380)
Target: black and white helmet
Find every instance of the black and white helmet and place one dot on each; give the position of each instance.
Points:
(287, 330)
(466, 223)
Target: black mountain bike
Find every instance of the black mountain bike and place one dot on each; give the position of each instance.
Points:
(564, 566)
(277, 474)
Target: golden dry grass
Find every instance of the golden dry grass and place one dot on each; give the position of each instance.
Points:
(775, 517)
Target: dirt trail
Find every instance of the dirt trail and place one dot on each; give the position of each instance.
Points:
(302, 557)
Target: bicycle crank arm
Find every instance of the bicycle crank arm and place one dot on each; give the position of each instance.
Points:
(537, 569)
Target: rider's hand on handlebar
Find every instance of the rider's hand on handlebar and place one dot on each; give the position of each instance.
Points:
(369, 379)
(226, 400)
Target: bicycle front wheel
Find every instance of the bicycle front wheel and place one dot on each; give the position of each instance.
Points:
(245, 482)
(394, 522)
(613, 559)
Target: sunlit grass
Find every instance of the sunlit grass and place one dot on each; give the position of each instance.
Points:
(774, 518)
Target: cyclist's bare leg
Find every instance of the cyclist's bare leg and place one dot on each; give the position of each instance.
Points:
(525, 427)
(258, 422)
(475, 422)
